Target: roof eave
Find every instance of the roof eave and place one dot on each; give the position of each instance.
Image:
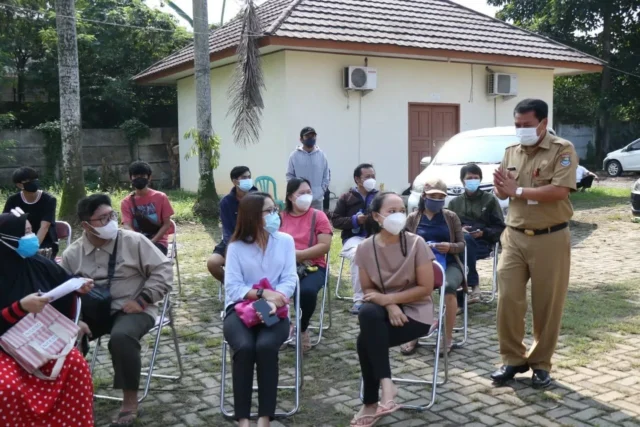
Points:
(568, 67)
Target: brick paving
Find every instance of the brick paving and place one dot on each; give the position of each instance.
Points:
(601, 391)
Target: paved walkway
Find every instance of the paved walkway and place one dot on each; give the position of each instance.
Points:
(591, 389)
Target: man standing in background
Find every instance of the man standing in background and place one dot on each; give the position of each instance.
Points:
(309, 162)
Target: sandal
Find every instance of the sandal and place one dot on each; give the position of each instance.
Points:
(131, 417)
(306, 342)
(409, 348)
(387, 408)
(364, 420)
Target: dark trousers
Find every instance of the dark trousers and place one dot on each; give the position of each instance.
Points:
(476, 249)
(585, 182)
(377, 335)
(310, 286)
(254, 346)
(162, 248)
(124, 346)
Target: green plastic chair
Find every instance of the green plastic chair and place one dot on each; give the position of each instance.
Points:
(264, 184)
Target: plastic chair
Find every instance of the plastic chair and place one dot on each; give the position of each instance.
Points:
(164, 320)
(264, 184)
(439, 281)
(298, 372)
(326, 296)
(63, 230)
(172, 253)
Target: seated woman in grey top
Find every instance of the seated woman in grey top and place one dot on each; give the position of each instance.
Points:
(396, 272)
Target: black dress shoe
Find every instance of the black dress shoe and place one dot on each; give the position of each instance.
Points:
(540, 378)
(506, 372)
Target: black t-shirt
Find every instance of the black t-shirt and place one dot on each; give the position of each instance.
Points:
(44, 209)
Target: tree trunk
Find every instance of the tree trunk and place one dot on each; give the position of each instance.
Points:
(207, 203)
(602, 126)
(70, 123)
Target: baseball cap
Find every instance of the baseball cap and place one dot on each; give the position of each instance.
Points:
(435, 186)
(307, 130)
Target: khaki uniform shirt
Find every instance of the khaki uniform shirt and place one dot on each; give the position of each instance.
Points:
(141, 270)
(553, 161)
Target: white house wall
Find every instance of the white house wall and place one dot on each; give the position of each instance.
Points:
(305, 89)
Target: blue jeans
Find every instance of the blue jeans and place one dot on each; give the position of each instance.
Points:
(476, 249)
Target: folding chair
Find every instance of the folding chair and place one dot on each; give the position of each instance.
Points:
(172, 253)
(494, 286)
(465, 307)
(340, 280)
(78, 308)
(164, 320)
(439, 282)
(326, 296)
(63, 230)
(298, 375)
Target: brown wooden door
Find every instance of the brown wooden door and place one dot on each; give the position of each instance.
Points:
(430, 126)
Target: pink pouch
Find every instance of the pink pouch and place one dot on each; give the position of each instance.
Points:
(248, 314)
(36, 340)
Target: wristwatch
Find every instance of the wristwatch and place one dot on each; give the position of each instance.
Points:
(259, 293)
(519, 191)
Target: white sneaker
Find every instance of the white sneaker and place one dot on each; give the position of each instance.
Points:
(475, 295)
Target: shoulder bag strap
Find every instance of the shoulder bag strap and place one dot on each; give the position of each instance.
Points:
(112, 262)
(375, 255)
(312, 233)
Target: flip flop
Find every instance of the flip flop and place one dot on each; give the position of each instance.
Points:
(134, 416)
(364, 420)
(387, 408)
(408, 351)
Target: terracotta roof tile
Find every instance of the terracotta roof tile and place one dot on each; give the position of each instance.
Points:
(429, 24)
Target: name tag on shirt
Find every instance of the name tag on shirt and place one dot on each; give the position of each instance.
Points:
(532, 202)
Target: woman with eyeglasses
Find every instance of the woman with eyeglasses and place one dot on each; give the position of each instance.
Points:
(257, 251)
(311, 232)
(396, 273)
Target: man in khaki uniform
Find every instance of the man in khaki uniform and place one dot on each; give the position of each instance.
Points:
(537, 175)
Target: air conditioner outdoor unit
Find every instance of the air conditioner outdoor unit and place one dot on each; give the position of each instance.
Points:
(502, 84)
(360, 78)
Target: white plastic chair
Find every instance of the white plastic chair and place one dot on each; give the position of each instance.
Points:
(298, 371)
(164, 320)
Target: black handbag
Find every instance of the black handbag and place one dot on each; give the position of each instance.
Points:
(301, 268)
(96, 305)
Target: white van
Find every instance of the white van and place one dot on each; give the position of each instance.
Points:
(485, 147)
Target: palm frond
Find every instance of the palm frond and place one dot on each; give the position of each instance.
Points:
(248, 83)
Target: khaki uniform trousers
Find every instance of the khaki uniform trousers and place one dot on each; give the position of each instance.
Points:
(545, 259)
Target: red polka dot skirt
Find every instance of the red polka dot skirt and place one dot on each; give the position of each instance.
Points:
(27, 401)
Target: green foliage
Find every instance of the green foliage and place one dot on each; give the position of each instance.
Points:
(92, 180)
(52, 147)
(134, 131)
(109, 56)
(200, 145)
(7, 121)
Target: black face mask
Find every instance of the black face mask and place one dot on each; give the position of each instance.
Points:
(31, 187)
(140, 183)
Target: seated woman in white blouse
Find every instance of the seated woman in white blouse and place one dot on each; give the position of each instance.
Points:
(257, 251)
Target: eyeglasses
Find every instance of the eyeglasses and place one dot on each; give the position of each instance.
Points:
(104, 219)
(271, 210)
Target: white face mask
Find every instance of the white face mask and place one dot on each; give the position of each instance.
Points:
(303, 202)
(369, 184)
(527, 136)
(109, 231)
(395, 223)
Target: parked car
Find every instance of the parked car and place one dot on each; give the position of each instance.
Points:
(626, 159)
(635, 198)
(485, 147)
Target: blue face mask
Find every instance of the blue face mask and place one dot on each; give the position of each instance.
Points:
(309, 142)
(272, 222)
(434, 205)
(245, 184)
(472, 185)
(28, 245)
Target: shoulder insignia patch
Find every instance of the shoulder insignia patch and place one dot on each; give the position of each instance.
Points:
(565, 160)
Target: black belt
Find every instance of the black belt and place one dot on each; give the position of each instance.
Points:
(549, 230)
